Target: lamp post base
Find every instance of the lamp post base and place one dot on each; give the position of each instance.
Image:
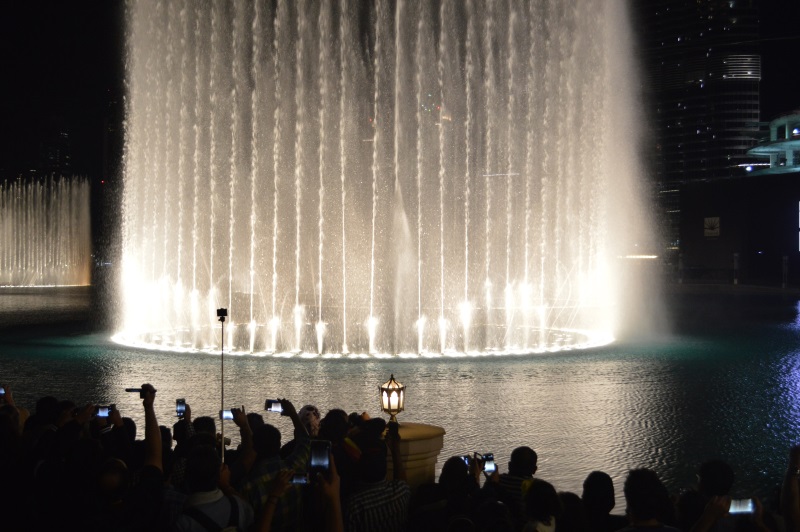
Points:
(420, 446)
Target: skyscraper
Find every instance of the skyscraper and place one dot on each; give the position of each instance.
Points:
(702, 70)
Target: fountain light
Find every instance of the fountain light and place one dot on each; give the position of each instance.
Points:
(420, 333)
(443, 326)
(299, 319)
(252, 329)
(372, 328)
(393, 398)
(465, 313)
(231, 334)
(274, 327)
(320, 327)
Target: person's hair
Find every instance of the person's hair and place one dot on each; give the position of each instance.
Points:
(523, 462)
(113, 479)
(454, 478)
(715, 478)
(645, 495)
(205, 424)
(573, 516)
(542, 502)
(598, 493)
(266, 441)
(202, 469)
(355, 419)
(309, 417)
(371, 466)
(180, 431)
(334, 425)
(47, 410)
(130, 428)
(255, 420)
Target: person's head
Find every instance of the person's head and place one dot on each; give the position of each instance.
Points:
(334, 425)
(523, 462)
(47, 410)
(113, 479)
(371, 465)
(541, 502)
(166, 437)
(715, 477)
(309, 417)
(202, 469)
(255, 420)
(205, 424)
(455, 476)
(180, 431)
(266, 441)
(598, 493)
(645, 495)
(130, 428)
(573, 516)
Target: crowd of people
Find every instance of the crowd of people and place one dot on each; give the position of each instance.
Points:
(70, 467)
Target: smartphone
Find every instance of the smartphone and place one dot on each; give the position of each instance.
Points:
(2, 392)
(742, 506)
(300, 479)
(320, 456)
(180, 407)
(225, 414)
(101, 411)
(273, 405)
(489, 466)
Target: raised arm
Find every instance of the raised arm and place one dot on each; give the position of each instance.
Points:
(152, 434)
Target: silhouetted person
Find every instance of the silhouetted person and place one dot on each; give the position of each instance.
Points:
(598, 500)
(647, 501)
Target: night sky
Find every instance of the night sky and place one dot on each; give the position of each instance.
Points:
(62, 60)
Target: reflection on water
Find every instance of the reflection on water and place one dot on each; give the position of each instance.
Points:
(730, 392)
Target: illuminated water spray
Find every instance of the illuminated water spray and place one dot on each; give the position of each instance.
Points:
(389, 178)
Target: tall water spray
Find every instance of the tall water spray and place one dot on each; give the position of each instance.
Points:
(45, 233)
(375, 178)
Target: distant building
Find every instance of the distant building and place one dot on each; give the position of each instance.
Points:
(781, 149)
(702, 73)
(747, 230)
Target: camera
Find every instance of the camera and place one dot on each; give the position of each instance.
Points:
(742, 506)
(489, 466)
(103, 411)
(180, 407)
(320, 456)
(225, 414)
(136, 390)
(222, 313)
(273, 405)
(300, 479)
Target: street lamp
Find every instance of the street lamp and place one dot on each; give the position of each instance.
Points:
(392, 398)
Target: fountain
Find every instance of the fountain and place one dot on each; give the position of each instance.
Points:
(375, 178)
(45, 233)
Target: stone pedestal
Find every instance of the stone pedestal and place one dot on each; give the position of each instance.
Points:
(420, 446)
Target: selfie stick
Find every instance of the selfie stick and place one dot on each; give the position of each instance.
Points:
(221, 313)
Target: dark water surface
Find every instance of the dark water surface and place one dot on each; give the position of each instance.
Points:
(725, 384)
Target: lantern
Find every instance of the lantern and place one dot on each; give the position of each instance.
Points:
(392, 398)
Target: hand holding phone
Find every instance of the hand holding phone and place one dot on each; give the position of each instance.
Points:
(489, 466)
(180, 407)
(273, 405)
(225, 414)
(742, 506)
